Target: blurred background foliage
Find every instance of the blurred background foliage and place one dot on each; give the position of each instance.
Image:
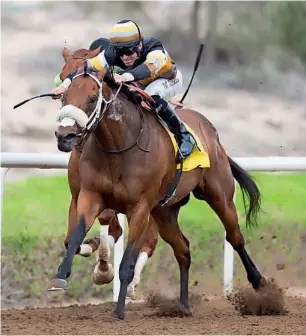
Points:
(235, 32)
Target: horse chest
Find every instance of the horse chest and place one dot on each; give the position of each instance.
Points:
(114, 190)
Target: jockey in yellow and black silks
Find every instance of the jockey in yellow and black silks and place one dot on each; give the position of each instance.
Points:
(146, 61)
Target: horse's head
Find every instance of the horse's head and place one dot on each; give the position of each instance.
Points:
(82, 108)
(74, 60)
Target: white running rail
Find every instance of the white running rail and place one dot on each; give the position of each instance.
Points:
(50, 160)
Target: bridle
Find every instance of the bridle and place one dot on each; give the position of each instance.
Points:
(99, 111)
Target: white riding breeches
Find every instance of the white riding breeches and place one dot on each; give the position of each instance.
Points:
(166, 88)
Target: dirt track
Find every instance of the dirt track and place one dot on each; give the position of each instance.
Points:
(213, 316)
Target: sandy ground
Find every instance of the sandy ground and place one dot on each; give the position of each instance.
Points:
(156, 316)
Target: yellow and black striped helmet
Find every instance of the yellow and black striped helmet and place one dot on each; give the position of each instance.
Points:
(125, 34)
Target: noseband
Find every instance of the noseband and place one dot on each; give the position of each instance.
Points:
(98, 113)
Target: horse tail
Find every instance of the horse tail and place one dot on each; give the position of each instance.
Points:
(250, 192)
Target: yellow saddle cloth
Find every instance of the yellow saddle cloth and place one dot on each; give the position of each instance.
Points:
(198, 157)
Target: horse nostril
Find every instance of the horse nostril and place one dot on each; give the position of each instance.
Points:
(70, 136)
(65, 137)
(59, 136)
(55, 133)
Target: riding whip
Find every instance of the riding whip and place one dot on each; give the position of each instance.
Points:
(196, 65)
(40, 96)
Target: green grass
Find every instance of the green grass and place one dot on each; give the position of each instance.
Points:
(35, 218)
(38, 206)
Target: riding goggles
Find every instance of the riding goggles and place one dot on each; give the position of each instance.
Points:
(121, 51)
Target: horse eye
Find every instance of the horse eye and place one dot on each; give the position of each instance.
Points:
(92, 99)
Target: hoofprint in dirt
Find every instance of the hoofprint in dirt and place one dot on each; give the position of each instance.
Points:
(155, 316)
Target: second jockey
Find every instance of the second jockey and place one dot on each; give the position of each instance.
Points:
(146, 61)
(101, 43)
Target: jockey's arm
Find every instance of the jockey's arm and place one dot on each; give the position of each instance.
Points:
(155, 60)
(57, 80)
(98, 63)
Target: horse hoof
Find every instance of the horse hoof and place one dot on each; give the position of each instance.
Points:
(119, 314)
(57, 285)
(187, 312)
(85, 250)
(261, 284)
(103, 277)
(131, 292)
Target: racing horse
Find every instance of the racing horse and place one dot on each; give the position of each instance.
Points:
(103, 271)
(128, 163)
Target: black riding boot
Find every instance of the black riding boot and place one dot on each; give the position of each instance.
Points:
(185, 139)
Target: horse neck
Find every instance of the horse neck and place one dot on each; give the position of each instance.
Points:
(120, 125)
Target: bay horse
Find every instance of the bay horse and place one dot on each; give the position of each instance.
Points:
(103, 271)
(128, 163)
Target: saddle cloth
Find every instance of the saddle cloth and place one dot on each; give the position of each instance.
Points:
(198, 157)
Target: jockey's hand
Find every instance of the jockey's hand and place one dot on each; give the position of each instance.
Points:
(119, 78)
(176, 103)
(125, 77)
(58, 91)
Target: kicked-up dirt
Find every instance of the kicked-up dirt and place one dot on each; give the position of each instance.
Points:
(160, 315)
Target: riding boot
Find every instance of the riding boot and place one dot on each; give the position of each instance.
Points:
(176, 126)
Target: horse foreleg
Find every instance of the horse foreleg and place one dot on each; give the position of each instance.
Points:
(89, 206)
(144, 255)
(89, 246)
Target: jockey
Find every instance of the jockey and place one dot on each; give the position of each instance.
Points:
(146, 61)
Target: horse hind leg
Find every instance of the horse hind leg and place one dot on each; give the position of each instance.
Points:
(140, 264)
(110, 233)
(107, 219)
(103, 272)
(218, 193)
(144, 255)
(168, 228)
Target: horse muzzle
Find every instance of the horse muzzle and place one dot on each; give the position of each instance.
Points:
(65, 142)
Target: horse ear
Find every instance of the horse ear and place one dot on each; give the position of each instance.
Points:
(94, 53)
(66, 54)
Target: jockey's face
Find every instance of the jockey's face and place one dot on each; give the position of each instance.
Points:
(129, 56)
